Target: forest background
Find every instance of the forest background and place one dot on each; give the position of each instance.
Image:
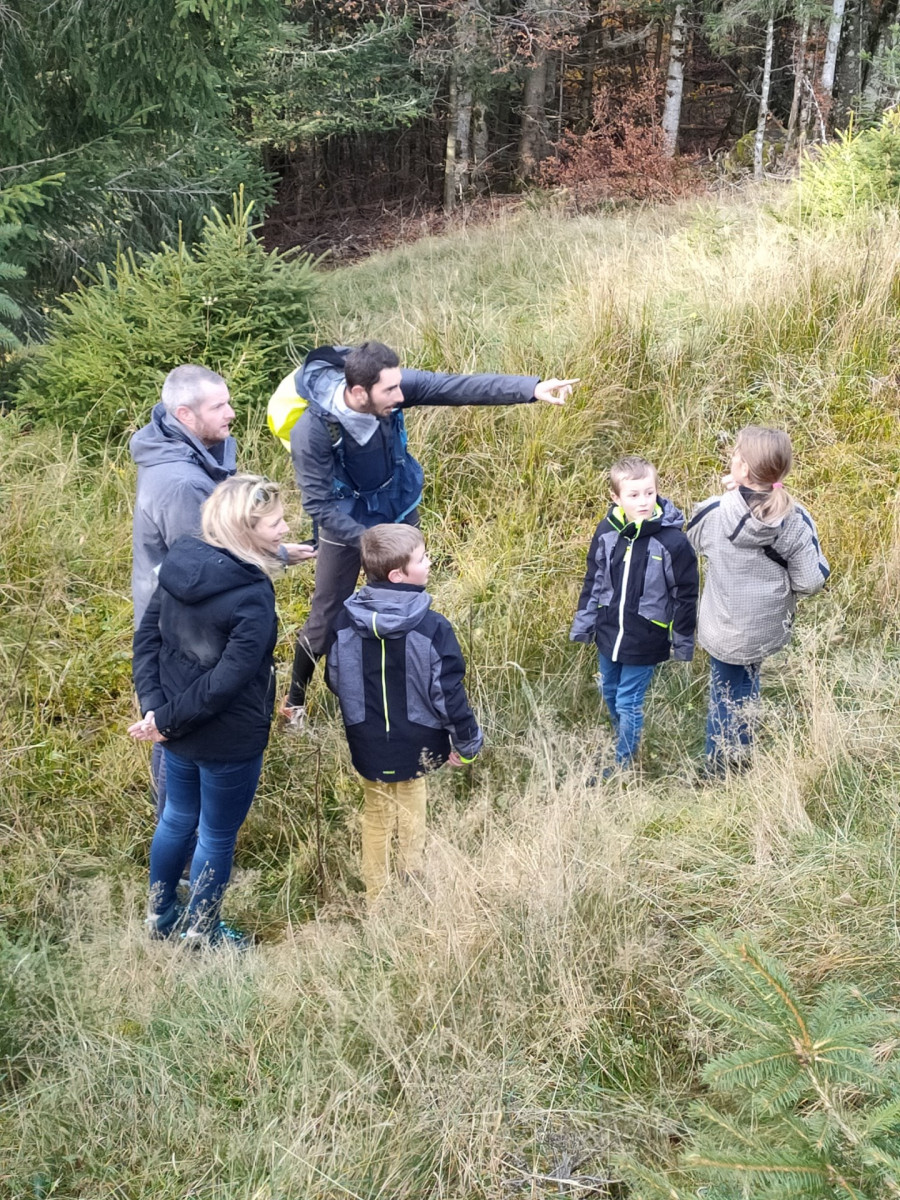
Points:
(648, 990)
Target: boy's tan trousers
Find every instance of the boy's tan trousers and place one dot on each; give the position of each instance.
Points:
(390, 807)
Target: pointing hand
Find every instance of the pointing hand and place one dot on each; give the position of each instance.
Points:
(555, 391)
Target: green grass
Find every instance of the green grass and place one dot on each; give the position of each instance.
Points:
(529, 1017)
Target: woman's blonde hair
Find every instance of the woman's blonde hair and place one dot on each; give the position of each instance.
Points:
(232, 512)
(768, 455)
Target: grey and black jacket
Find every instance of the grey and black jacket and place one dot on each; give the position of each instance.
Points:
(754, 574)
(397, 670)
(176, 473)
(639, 598)
(354, 470)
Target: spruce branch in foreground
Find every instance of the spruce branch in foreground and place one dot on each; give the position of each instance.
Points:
(806, 1104)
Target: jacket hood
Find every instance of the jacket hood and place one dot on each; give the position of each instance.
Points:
(193, 571)
(165, 440)
(323, 385)
(666, 514)
(741, 527)
(383, 611)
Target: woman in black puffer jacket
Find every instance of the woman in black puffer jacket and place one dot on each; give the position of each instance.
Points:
(204, 674)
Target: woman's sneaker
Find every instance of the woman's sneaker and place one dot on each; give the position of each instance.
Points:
(212, 939)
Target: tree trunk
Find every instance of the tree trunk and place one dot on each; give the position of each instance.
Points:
(463, 127)
(671, 118)
(532, 138)
(848, 78)
(479, 146)
(879, 92)
(760, 139)
(831, 46)
(590, 45)
(450, 152)
(799, 75)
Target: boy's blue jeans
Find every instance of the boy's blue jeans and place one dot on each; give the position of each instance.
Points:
(623, 687)
(211, 799)
(733, 697)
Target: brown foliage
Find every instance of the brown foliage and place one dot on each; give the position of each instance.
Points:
(621, 156)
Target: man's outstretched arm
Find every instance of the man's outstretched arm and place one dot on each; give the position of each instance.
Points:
(437, 389)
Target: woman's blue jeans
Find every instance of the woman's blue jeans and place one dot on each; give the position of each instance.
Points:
(733, 704)
(623, 687)
(211, 799)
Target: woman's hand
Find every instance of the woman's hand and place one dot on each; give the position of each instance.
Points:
(146, 731)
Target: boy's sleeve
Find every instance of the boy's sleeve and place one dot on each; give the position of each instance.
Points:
(448, 693)
(684, 595)
(584, 626)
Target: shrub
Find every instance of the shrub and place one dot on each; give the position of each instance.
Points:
(226, 303)
(622, 155)
(858, 172)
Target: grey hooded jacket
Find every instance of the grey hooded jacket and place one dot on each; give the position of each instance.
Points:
(754, 574)
(176, 473)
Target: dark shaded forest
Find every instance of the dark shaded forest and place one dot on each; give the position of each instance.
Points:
(353, 124)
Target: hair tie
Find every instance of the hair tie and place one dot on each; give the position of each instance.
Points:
(776, 484)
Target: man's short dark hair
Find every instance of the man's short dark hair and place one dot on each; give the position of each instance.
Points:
(365, 364)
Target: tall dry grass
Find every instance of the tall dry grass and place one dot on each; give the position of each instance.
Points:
(522, 1017)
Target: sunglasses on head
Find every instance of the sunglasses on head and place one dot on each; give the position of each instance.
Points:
(265, 492)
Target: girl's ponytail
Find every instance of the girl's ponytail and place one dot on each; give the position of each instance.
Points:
(768, 455)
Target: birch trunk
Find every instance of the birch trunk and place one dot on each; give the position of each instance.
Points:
(450, 151)
(760, 140)
(831, 46)
(671, 118)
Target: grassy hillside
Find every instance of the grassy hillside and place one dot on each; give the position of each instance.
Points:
(528, 1017)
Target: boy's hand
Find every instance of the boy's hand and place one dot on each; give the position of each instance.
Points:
(455, 761)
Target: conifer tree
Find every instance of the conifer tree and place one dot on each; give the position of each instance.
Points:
(805, 1103)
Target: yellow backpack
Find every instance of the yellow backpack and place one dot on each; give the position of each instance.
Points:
(285, 409)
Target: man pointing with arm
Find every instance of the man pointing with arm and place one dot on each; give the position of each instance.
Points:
(354, 469)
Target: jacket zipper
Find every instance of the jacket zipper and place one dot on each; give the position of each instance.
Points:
(384, 699)
(621, 634)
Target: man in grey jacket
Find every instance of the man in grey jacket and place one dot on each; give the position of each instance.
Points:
(182, 455)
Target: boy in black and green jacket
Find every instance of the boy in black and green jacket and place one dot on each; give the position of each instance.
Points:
(397, 670)
(639, 599)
